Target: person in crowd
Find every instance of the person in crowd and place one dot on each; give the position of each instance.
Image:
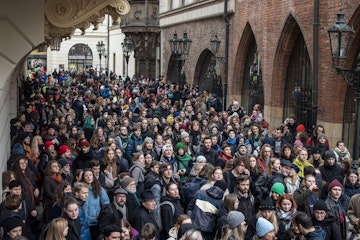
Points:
(13, 228)
(307, 195)
(265, 229)
(238, 169)
(204, 218)
(114, 211)
(27, 178)
(286, 210)
(352, 185)
(171, 208)
(338, 203)
(97, 198)
(302, 161)
(58, 229)
(341, 152)
(315, 158)
(137, 170)
(145, 213)
(110, 168)
(246, 199)
(304, 225)
(166, 177)
(71, 214)
(65, 170)
(85, 155)
(63, 190)
(330, 170)
(292, 181)
(276, 141)
(132, 200)
(96, 168)
(111, 232)
(323, 218)
(231, 203)
(236, 228)
(48, 154)
(265, 155)
(184, 159)
(182, 219)
(6, 178)
(225, 155)
(81, 193)
(135, 143)
(207, 151)
(128, 232)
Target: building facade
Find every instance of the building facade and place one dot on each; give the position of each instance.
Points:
(277, 53)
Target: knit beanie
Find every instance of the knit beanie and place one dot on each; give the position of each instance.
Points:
(300, 128)
(320, 205)
(329, 154)
(201, 158)
(167, 146)
(179, 145)
(148, 139)
(321, 136)
(63, 149)
(334, 183)
(182, 126)
(221, 184)
(126, 181)
(48, 144)
(267, 204)
(278, 188)
(298, 143)
(235, 218)
(263, 227)
(12, 223)
(184, 134)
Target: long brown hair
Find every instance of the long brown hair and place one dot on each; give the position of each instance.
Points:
(95, 185)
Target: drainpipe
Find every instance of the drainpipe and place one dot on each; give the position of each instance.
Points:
(314, 96)
(226, 62)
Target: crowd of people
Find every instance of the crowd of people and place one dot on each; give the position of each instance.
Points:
(109, 158)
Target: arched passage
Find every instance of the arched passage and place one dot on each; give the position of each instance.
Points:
(292, 74)
(247, 73)
(207, 74)
(80, 56)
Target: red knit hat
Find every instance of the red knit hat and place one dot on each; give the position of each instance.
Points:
(48, 144)
(63, 149)
(84, 143)
(300, 128)
(334, 183)
(182, 126)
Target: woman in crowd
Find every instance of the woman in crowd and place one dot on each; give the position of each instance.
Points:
(286, 210)
(51, 181)
(26, 177)
(97, 198)
(128, 232)
(71, 214)
(352, 185)
(109, 168)
(137, 170)
(231, 203)
(236, 226)
(58, 229)
(182, 219)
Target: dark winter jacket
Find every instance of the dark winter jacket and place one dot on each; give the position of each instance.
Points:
(169, 217)
(329, 173)
(144, 216)
(82, 160)
(205, 210)
(74, 228)
(133, 146)
(330, 226)
(318, 234)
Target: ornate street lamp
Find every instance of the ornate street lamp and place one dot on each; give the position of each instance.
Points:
(128, 47)
(340, 34)
(215, 44)
(101, 50)
(180, 48)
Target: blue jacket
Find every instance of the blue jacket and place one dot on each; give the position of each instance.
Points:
(85, 230)
(92, 206)
(133, 146)
(207, 205)
(318, 234)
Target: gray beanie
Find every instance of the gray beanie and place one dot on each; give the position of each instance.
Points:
(148, 139)
(235, 218)
(184, 135)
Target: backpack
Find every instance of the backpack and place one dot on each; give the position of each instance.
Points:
(158, 212)
(189, 189)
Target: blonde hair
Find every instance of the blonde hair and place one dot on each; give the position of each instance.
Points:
(56, 229)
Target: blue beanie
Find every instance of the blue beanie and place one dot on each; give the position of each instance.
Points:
(263, 227)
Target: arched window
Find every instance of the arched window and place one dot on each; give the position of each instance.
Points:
(297, 97)
(80, 57)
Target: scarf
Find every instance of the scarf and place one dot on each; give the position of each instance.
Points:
(184, 160)
(56, 177)
(340, 153)
(231, 141)
(286, 217)
(121, 209)
(225, 157)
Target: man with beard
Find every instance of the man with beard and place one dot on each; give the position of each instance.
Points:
(246, 199)
(207, 151)
(85, 155)
(115, 211)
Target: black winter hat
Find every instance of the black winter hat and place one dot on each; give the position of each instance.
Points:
(320, 205)
(12, 223)
(329, 154)
(221, 184)
(267, 204)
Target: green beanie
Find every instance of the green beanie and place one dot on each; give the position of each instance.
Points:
(278, 188)
(179, 145)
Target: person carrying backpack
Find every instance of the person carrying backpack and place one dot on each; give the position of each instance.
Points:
(170, 209)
